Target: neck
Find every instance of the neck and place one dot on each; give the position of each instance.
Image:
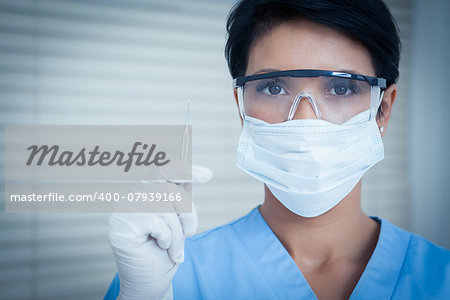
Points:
(344, 232)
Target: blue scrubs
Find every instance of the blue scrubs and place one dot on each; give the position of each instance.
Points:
(245, 260)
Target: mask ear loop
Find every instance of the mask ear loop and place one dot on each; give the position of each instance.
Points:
(311, 100)
(240, 93)
(376, 95)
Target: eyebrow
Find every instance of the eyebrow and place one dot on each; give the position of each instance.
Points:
(276, 70)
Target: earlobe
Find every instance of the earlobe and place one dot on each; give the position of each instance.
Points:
(387, 102)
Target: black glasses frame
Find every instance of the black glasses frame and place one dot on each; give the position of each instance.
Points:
(373, 81)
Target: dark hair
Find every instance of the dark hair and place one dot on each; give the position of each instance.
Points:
(369, 22)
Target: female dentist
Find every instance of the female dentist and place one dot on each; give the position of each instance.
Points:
(315, 84)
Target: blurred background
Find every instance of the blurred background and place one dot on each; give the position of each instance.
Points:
(138, 62)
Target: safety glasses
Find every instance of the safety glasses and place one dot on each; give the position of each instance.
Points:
(336, 97)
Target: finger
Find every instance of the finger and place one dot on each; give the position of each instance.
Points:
(181, 171)
(126, 224)
(175, 250)
(159, 229)
(189, 221)
(201, 174)
(176, 171)
(182, 201)
(188, 188)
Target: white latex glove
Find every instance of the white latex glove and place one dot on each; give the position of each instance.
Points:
(148, 247)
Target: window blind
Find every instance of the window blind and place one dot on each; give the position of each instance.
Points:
(137, 62)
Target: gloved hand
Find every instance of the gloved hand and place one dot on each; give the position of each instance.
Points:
(148, 247)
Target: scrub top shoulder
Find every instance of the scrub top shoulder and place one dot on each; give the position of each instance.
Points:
(245, 260)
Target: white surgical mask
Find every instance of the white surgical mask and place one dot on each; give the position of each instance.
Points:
(309, 165)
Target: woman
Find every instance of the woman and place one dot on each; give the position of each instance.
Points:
(315, 85)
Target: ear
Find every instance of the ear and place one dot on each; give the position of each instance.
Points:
(237, 105)
(386, 107)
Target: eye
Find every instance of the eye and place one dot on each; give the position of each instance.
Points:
(271, 88)
(275, 89)
(340, 90)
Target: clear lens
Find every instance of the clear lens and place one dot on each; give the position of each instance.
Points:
(336, 99)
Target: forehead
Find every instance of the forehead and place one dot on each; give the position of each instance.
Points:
(304, 44)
